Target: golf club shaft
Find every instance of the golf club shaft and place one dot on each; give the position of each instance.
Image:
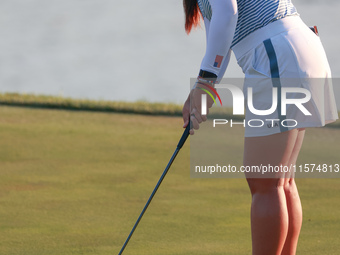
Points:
(179, 146)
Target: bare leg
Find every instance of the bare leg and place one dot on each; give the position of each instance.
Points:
(269, 216)
(293, 204)
(269, 211)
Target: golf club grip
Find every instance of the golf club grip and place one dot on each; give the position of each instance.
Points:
(184, 137)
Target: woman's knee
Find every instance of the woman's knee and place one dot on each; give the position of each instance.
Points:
(289, 187)
(264, 185)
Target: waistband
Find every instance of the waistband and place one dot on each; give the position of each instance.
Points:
(266, 32)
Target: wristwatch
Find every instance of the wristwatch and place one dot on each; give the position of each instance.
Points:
(206, 74)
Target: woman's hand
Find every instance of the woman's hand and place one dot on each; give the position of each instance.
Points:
(192, 108)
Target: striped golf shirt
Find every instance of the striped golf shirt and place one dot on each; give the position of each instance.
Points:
(251, 15)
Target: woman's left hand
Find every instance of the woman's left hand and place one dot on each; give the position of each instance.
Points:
(192, 109)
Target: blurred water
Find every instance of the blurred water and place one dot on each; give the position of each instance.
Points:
(117, 50)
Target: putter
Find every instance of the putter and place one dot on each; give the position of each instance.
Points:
(179, 146)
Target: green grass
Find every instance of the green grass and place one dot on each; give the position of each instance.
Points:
(74, 182)
(139, 107)
(56, 102)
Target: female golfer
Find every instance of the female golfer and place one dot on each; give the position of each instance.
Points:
(275, 50)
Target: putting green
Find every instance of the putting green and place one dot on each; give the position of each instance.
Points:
(75, 182)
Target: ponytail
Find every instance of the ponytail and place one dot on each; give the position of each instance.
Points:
(192, 14)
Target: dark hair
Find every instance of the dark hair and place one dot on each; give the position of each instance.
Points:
(192, 14)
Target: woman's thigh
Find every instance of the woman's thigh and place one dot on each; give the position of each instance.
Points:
(272, 158)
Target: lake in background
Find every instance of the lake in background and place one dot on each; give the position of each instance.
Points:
(118, 50)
